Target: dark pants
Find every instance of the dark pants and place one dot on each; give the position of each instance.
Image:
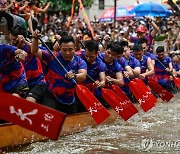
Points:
(52, 102)
(21, 90)
(38, 92)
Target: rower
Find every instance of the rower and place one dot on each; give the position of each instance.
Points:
(114, 69)
(32, 65)
(134, 64)
(61, 89)
(13, 77)
(144, 44)
(162, 74)
(95, 69)
(146, 65)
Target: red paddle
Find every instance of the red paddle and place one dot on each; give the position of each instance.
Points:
(162, 92)
(122, 95)
(177, 81)
(121, 107)
(35, 117)
(93, 106)
(143, 98)
(145, 90)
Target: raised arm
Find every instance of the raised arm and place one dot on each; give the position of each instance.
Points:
(155, 27)
(35, 45)
(40, 10)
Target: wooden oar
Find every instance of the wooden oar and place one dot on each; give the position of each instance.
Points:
(32, 116)
(162, 92)
(91, 103)
(142, 97)
(118, 104)
(175, 79)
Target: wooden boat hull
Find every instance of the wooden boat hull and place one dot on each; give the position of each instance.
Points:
(13, 135)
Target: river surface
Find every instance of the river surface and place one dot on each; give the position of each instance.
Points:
(156, 131)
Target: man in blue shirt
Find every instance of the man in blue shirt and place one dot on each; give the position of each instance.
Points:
(61, 89)
(13, 77)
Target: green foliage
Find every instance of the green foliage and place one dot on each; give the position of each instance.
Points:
(65, 5)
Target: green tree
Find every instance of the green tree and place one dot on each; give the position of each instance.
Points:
(65, 5)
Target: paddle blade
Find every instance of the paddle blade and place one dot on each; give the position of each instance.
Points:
(32, 116)
(143, 98)
(162, 93)
(123, 96)
(122, 108)
(177, 82)
(145, 89)
(91, 103)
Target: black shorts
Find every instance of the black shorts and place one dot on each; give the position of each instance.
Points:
(37, 92)
(52, 102)
(21, 90)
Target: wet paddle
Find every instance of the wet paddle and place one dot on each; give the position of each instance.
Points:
(141, 96)
(175, 79)
(121, 107)
(91, 103)
(32, 116)
(146, 90)
(162, 92)
(122, 95)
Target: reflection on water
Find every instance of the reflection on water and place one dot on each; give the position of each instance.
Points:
(157, 131)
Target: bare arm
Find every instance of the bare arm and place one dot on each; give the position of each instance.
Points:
(129, 71)
(126, 34)
(9, 6)
(35, 45)
(117, 81)
(170, 67)
(136, 71)
(102, 77)
(81, 75)
(150, 68)
(23, 7)
(44, 9)
(155, 29)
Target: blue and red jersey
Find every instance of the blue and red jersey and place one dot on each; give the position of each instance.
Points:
(143, 64)
(133, 63)
(123, 62)
(152, 56)
(161, 75)
(148, 37)
(33, 69)
(12, 72)
(93, 71)
(58, 84)
(113, 68)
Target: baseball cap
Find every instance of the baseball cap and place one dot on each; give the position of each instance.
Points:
(141, 29)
